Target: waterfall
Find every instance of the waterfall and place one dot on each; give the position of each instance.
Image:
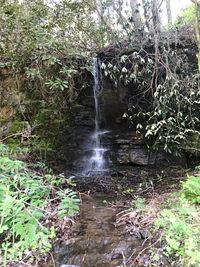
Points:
(96, 163)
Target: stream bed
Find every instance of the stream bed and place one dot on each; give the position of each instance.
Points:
(110, 234)
(96, 241)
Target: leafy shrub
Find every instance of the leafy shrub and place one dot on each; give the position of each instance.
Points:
(69, 203)
(186, 17)
(181, 228)
(191, 189)
(24, 196)
(174, 123)
(138, 203)
(181, 225)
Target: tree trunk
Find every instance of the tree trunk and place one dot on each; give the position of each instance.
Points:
(136, 14)
(99, 8)
(147, 14)
(152, 15)
(169, 11)
(155, 7)
(197, 28)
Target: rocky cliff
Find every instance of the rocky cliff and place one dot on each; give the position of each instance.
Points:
(60, 130)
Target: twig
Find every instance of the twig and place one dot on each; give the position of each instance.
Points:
(12, 135)
(131, 256)
(119, 206)
(53, 261)
(22, 134)
(124, 259)
(141, 252)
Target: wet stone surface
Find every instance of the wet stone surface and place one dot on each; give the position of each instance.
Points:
(96, 242)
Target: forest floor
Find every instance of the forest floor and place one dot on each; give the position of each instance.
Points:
(117, 223)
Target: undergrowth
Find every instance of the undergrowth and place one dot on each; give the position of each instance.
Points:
(180, 223)
(25, 195)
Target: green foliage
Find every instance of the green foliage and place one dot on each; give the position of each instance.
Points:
(57, 84)
(174, 123)
(138, 203)
(69, 203)
(43, 47)
(24, 197)
(181, 228)
(33, 73)
(191, 189)
(186, 17)
(181, 224)
(41, 30)
(197, 168)
(128, 69)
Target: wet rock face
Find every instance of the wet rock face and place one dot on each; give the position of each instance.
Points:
(114, 103)
(73, 146)
(124, 146)
(9, 105)
(133, 151)
(141, 156)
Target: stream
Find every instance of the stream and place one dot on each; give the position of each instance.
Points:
(96, 242)
(110, 234)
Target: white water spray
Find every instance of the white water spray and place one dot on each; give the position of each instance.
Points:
(96, 163)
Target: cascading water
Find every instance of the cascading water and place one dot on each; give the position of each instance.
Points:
(96, 163)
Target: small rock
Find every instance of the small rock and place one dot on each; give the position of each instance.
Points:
(116, 256)
(143, 261)
(66, 265)
(143, 233)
